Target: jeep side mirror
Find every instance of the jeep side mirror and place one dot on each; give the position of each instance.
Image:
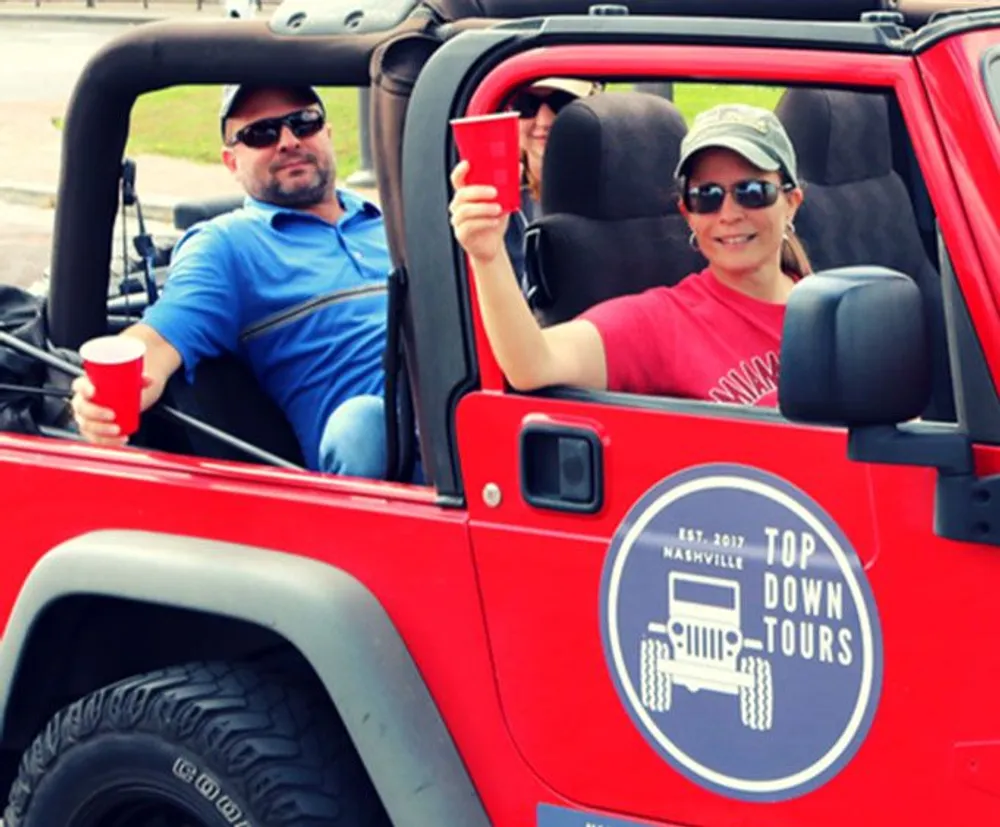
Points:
(855, 353)
(854, 350)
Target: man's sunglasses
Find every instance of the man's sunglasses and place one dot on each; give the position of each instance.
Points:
(754, 194)
(267, 131)
(528, 103)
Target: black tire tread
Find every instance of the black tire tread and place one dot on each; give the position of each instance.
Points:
(267, 729)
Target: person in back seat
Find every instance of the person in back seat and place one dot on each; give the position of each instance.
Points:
(537, 105)
(295, 282)
(715, 335)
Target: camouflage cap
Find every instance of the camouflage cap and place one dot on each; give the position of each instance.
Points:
(750, 131)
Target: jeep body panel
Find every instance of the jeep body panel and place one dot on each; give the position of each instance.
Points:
(412, 556)
(328, 616)
(550, 683)
(971, 137)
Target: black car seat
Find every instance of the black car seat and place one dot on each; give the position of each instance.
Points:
(189, 213)
(610, 224)
(857, 209)
(226, 395)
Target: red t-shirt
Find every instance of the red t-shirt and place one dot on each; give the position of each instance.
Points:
(697, 340)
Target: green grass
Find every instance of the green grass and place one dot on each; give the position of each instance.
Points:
(181, 122)
(694, 98)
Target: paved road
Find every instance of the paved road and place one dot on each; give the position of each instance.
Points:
(43, 58)
(41, 61)
(25, 242)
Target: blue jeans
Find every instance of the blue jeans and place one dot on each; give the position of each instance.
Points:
(353, 441)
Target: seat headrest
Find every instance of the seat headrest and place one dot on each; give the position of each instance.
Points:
(839, 136)
(611, 157)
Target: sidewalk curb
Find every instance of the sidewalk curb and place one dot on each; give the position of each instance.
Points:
(109, 18)
(27, 195)
(159, 210)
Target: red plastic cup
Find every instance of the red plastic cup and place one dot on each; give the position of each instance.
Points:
(114, 366)
(490, 144)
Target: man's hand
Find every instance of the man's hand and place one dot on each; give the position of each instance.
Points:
(97, 424)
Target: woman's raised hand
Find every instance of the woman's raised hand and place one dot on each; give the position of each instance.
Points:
(476, 217)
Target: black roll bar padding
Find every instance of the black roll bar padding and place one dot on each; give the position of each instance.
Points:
(68, 368)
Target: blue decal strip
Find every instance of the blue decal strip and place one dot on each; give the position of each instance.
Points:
(552, 816)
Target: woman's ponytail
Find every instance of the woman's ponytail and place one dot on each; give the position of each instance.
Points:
(794, 260)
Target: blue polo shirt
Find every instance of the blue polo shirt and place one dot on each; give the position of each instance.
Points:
(302, 300)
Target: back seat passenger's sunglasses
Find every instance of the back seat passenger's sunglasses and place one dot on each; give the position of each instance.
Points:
(528, 103)
(266, 132)
(754, 194)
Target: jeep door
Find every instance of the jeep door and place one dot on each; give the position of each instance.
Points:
(584, 505)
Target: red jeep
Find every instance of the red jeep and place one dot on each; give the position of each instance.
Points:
(602, 609)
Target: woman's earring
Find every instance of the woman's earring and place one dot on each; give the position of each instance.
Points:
(789, 230)
(693, 241)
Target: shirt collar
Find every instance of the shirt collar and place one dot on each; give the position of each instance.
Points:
(354, 207)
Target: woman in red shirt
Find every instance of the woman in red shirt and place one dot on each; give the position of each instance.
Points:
(714, 336)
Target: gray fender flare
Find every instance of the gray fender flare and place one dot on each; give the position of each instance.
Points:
(367, 670)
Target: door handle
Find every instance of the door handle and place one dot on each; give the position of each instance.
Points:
(561, 468)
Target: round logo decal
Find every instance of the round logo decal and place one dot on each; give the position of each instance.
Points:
(741, 632)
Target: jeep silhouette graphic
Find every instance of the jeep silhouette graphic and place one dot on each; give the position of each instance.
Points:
(705, 649)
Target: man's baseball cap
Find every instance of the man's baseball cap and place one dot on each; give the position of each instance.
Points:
(575, 86)
(750, 131)
(234, 94)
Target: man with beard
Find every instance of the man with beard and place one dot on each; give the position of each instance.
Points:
(294, 282)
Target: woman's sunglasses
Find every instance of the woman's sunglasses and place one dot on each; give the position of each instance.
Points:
(266, 132)
(528, 103)
(754, 194)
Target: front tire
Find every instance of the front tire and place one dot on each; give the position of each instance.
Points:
(656, 684)
(198, 745)
(757, 700)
